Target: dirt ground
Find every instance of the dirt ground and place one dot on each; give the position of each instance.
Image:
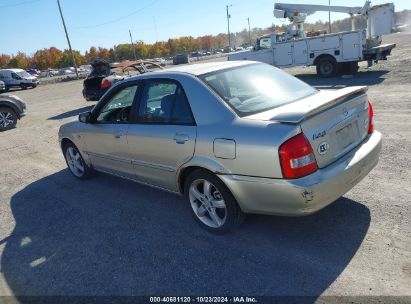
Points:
(107, 236)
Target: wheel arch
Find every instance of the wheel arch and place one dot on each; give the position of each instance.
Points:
(198, 163)
(322, 56)
(11, 106)
(65, 141)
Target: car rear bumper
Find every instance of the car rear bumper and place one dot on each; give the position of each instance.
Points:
(308, 194)
(92, 94)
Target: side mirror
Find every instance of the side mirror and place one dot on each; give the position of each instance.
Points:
(85, 117)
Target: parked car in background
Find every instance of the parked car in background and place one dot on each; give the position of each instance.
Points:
(84, 69)
(48, 73)
(93, 87)
(12, 108)
(33, 72)
(17, 78)
(180, 59)
(2, 86)
(104, 75)
(233, 137)
(66, 71)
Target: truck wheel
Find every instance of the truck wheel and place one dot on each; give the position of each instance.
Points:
(326, 67)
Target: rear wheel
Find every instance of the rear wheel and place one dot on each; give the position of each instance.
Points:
(213, 205)
(8, 119)
(75, 162)
(327, 67)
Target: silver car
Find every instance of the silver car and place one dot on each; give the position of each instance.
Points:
(232, 137)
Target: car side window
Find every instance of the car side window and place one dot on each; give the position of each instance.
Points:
(118, 108)
(164, 101)
(15, 76)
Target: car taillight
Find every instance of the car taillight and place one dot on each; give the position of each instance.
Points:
(297, 157)
(105, 84)
(370, 118)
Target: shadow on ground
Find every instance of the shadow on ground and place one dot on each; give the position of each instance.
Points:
(362, 78)
(71, 113)
(108, 236)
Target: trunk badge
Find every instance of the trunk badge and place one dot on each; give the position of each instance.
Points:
(323, 148)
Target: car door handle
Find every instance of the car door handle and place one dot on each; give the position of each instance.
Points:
(180, 138)
(118, 135)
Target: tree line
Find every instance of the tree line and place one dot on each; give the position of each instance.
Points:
(55, 58)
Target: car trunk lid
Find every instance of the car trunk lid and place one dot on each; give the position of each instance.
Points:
(333, 121)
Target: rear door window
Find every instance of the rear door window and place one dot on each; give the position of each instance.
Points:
(163, 101)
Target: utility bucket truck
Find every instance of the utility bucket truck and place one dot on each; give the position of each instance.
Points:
(330, 53)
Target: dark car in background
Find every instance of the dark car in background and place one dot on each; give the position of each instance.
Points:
(2, 86)
(180, 59)
(12, 108)
(33, 72)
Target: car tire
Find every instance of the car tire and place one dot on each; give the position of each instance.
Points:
(23, 87)
(8, 119)
(75, 162)
(327, 67)
(213, 206)
(34, 86)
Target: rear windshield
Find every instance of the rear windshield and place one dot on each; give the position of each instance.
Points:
(256, 87)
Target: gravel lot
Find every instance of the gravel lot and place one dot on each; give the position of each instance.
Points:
(107, 236)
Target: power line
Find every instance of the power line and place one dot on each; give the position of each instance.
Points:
(19, 4)
(120, 18)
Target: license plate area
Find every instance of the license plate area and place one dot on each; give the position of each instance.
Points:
(345, 136)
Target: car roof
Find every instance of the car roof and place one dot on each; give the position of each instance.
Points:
(12, 70)
(204, 68)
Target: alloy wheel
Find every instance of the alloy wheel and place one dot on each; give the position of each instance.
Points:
(75, 162)
(6, 119)
(207, 203)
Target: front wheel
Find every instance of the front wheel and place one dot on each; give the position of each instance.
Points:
(75, 162)
(213, 205)
(327, 67)
(8, 119)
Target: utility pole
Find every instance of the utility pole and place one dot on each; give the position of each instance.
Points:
(132, 45)
(68, 40)
(228, 26)
(329, 16)
(249, 30)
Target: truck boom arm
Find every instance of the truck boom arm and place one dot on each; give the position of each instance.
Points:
(286, 10)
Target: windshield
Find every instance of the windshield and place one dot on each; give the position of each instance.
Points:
(23, 74)
(256, 87)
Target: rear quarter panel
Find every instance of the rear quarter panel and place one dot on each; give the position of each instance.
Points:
(256, 146)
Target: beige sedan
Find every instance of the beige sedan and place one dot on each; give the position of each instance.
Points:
(233, 137)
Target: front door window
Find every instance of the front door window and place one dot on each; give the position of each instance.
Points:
(118, 109)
